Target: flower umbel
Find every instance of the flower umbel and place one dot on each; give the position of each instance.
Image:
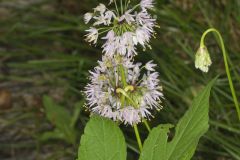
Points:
(122, 29)
(203, 59)
(120, 90)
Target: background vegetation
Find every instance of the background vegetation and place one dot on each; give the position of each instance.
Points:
(44, 63)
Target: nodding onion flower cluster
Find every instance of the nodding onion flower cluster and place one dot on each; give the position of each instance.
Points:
(122, 29)
(119, 88)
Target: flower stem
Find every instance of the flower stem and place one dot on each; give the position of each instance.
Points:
(124, 93)
(225, 57)
(121, 7)
(116, 7)
(123, 77)
(135, 7)
(125, 5)
(147, 125)
(138, 137)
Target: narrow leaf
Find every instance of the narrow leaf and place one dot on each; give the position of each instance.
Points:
(61, 118)
(188, 132)
(78, 107)
(191, 127)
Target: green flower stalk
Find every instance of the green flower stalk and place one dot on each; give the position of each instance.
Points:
(203, 61)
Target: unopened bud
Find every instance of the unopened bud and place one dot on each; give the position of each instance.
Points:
(203, 59)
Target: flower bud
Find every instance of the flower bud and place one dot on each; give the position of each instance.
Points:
(87, 17)
(203, 59)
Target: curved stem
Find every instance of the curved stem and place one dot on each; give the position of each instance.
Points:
(135, 7)
(138, 137)
(147, 125)
(116, 7)
(120, 90)
(226, 65)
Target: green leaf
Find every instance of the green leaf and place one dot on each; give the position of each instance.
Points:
(102, 140)
(78, 107)
(188, 132)
(61, 118)
(191, 127)
(155, 146)
(55, 134)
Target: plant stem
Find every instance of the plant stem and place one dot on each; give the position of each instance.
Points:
(121, 7)
(147, 125)
(138, 137)
(123, 76)
(124, 93)
(135, 7)
(116, 7)
(128, 1)
(125, 5)
(225, 57)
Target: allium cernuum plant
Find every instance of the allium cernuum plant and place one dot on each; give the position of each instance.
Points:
(128, 92)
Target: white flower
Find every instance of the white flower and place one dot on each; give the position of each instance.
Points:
(87, 17)
(129, 44)
(128, 98)
(99, 20)
(109, 47)
(108, 17)
(203, 59)
(127, 17)
(100, 8)
(123, 45)
(150, 66)
(110, 36)
(130, 115)
(144, 18)
(146, 4)
(142, 36)
(92, 36)
(110, 2)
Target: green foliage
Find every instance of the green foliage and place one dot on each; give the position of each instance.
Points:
(155, 146)
(62, 119)
(102, 140)
(188, 132)
(42, 44)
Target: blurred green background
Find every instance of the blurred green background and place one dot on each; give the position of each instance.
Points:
(44, 63)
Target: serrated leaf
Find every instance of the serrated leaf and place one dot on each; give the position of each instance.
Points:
(155, 146)
(188, 132)
(102, 140)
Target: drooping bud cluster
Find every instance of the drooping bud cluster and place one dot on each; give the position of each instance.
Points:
(202, 59)
(119, 88)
